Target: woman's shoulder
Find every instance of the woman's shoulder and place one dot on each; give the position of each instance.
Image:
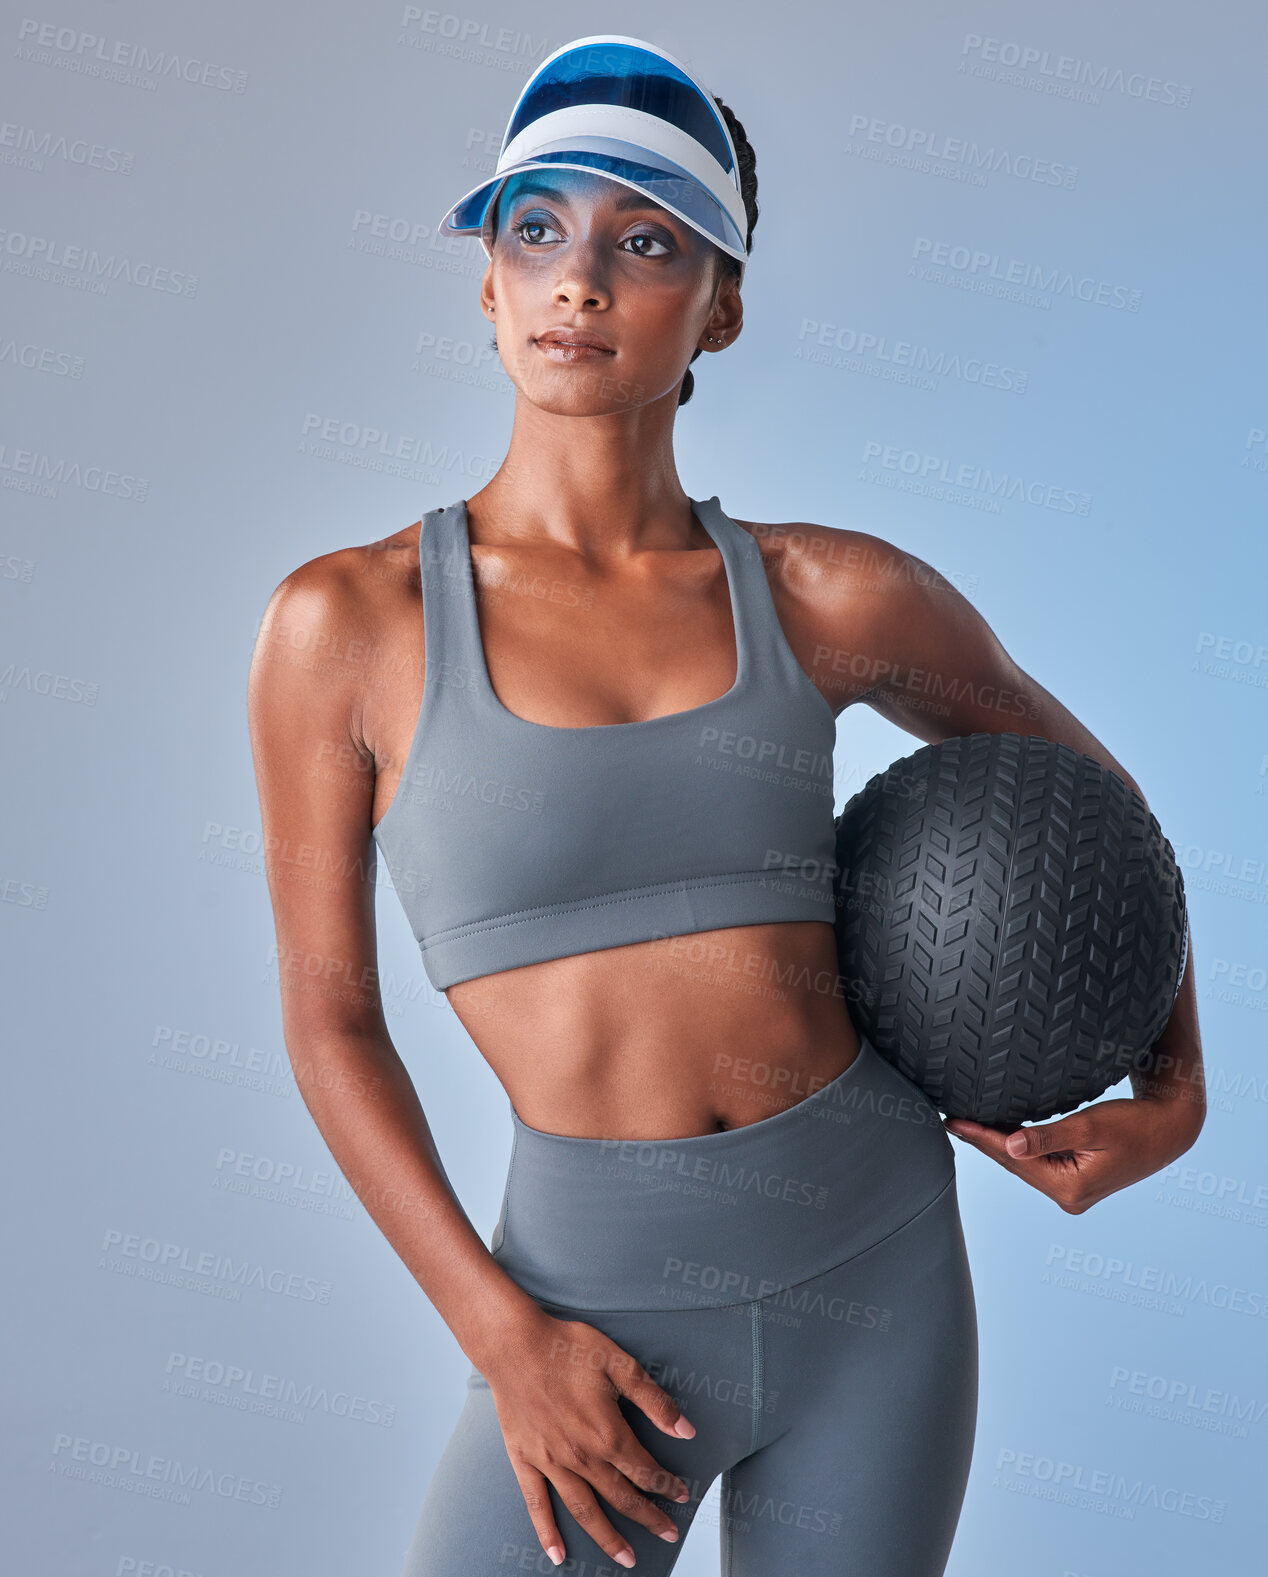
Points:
(809, 554)
(343, 581)
(336, 609)
(826, 580)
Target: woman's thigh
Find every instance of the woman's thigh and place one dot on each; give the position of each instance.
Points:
(865, 1456)
(474, 1522)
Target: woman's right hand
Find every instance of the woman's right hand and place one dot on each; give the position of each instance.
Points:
(555, 1384)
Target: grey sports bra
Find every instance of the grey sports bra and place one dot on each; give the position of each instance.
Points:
(510, 842)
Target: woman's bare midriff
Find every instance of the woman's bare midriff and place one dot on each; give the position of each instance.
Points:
(664, 1039)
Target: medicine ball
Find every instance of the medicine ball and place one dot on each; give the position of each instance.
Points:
(1010, 924)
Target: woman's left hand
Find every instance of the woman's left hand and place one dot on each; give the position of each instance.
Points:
(1080, 1159)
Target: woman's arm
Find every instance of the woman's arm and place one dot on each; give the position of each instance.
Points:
(315, 777)
(922, 656)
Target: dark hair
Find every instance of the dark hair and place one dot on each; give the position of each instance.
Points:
(724, 262)
(747, 161)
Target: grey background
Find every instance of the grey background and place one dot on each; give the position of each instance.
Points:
(194, 292)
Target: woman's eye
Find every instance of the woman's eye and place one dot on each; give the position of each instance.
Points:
(645, 235)
(529, 224)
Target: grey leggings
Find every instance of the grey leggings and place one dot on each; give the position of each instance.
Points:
(800, 1286)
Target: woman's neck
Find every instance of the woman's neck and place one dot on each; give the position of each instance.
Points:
(584, 480)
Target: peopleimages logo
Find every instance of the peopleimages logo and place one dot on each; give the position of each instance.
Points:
(41, 358)
(61, 262)
(958, 152)
(1102, 1489)
(1125, 1281)
(156, 1260)
(663, 1160)
(765, 752)
(1186, 1401)
(466, 38)
(245, 1389)
(114, 60)
(37, 472)
(29, 148)
(975, 264)
(126, 1467)
(1064, 75)
(899, 360)
(972, 478)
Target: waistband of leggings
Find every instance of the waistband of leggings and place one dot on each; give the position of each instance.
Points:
(727, 1217)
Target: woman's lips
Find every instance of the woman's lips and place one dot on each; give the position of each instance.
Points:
(568, 351)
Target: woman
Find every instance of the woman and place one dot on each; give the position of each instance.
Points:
(730, 1241)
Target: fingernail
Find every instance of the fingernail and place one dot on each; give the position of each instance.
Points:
(556, 1554)
(669, 1534)
(684, 1430)
(626, 1558)
(1015, 1144)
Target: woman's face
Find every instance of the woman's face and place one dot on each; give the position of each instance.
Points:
(577, 251)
